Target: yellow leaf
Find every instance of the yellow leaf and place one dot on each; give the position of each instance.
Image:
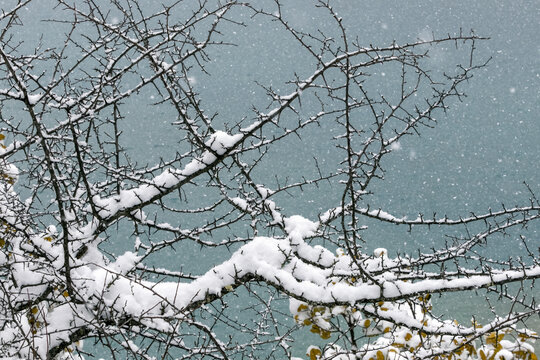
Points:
(315, 329)
(2, 136)
(319, 309)
(314, 353)
(302, 307)
(325, 334)
(34, 310)
(493, 338)
(476, 325)
(2, 242)
(48, 238)
(380, 355)
(408, 336)
(65, 293)
(470, 349)
(482, 355)
(367, 323)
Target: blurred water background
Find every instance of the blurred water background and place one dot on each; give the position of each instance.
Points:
(478, 156)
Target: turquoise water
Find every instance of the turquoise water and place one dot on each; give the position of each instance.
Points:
(477, 157)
